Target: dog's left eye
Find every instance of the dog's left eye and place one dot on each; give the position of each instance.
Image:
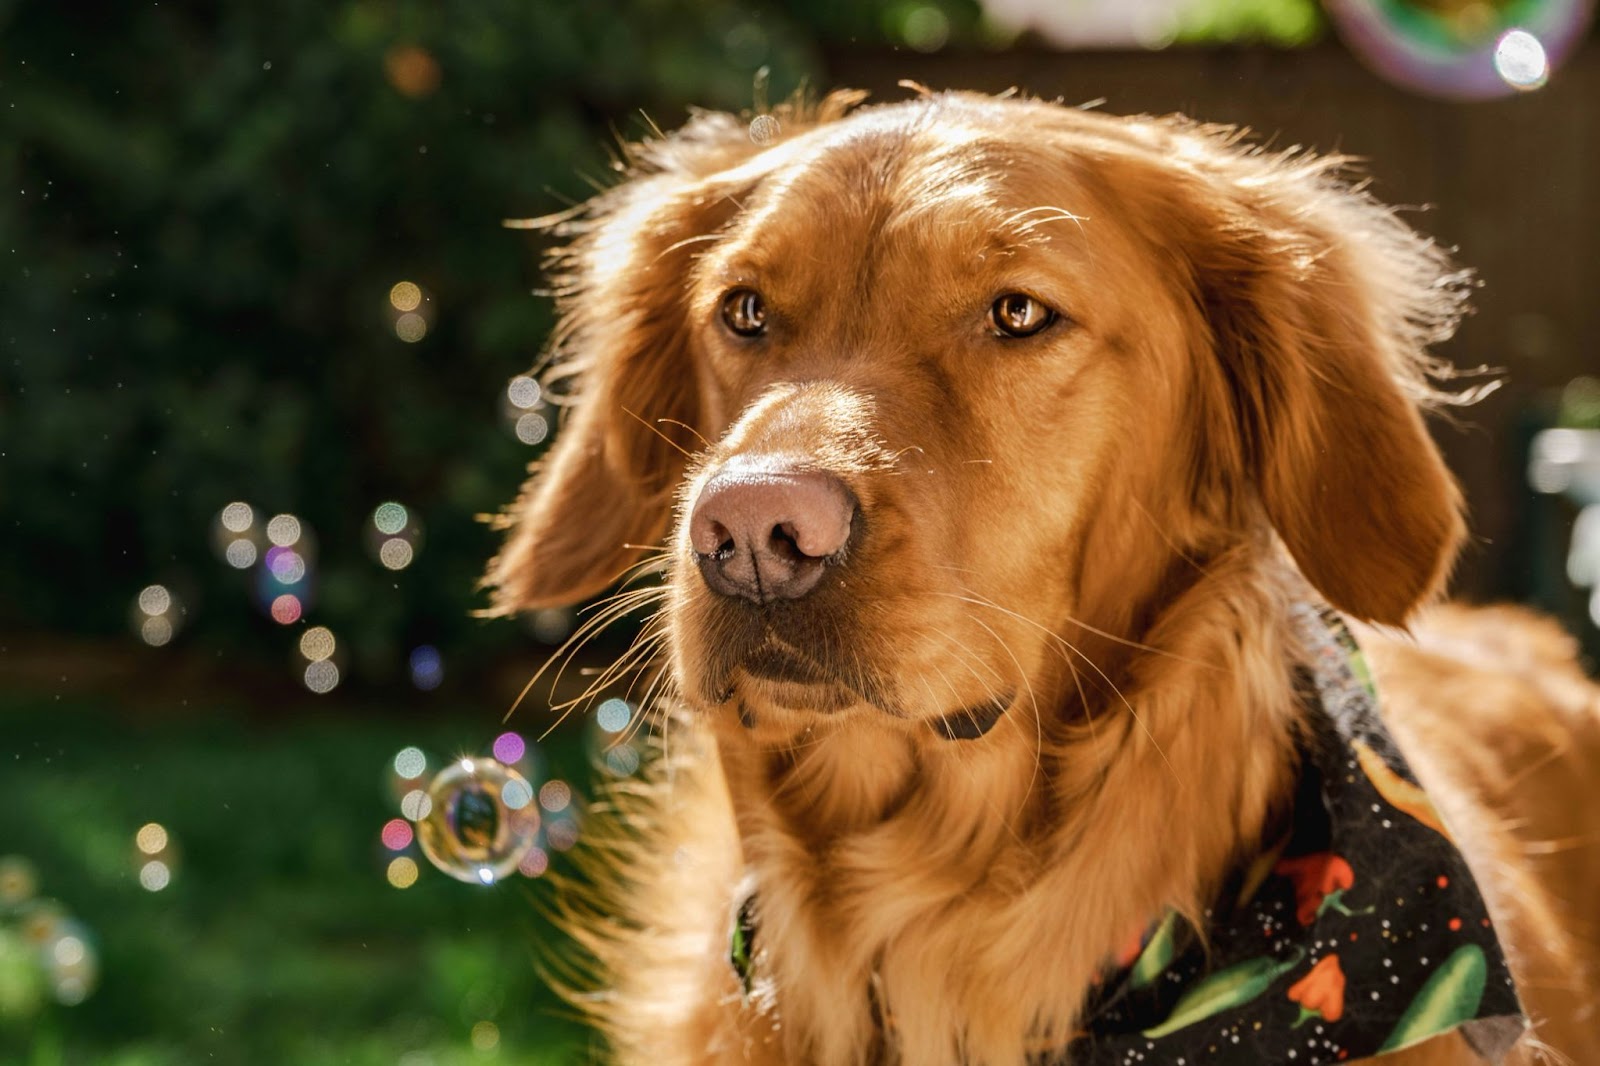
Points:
(1017, 314)
(745, 312)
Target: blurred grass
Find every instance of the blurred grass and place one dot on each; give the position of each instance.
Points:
(278, 940)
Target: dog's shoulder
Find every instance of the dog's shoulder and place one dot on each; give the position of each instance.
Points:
(1502, 728)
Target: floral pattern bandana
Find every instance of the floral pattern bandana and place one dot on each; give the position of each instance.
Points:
(1361, 934)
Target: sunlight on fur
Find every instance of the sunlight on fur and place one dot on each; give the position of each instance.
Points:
(971, 457)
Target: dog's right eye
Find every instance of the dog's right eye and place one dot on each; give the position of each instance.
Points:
(745, 312)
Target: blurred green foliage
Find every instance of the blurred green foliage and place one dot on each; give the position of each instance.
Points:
(203, 208)
(277, 940)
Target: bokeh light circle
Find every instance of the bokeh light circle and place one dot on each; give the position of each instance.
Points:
(555, 796)
(509, 748)
(410, 763)
(405, 296)
(321, 676)
(411, 327)
(156, 632)
(402, 872)
(427, 668)
(155, 599)
(237, 517)
(240, 553)
(535, 863)
(154, 876)
(416, 805)
(287, 566)
(286, 609)
(471, 833)
(317, 643)
(516, 794)
(524, 392)
(390, 518)
(283, 530)
(18, 881)
(532, 428)
(395, 554)
(764, 129)
(613, 715)
(397, 834)
(151, 838)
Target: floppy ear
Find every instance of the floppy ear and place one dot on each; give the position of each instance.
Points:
(620, 349)
(1321, 305)
(622, 340)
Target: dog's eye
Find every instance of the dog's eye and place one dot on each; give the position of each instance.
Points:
(744, 312)
(1017, 314)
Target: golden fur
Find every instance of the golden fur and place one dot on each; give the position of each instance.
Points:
(1103, 525)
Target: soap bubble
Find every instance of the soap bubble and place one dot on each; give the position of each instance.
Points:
(471, 832)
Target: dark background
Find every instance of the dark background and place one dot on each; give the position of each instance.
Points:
(203, 209)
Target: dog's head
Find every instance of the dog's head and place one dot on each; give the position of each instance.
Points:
(915, 389)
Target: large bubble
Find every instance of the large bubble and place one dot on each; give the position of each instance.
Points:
(482, 820)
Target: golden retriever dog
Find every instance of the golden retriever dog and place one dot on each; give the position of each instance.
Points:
(1041, 497)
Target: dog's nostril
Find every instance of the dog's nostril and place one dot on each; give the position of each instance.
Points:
(763, 534)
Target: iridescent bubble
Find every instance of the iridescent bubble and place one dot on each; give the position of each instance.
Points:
(155, 631)
(764, 129)
(427, 668)
(509, 748)
(410, 763)
(151, 838)
(1520, 60)
(524, 392)
(532, 428)
(286, 609)
(287, 566)
(154, 876)
(555, 796)
(396, 835)
(321, 677)
(237, 517)
(390, 518)
(613, 715)
(154, 599)
(283, 530)
(471, 834)
(395, 554)
(240, 553)
(317, 643)
(405, 296)
(411, 327)
(18, 882)
(416, 805)
(402, 872)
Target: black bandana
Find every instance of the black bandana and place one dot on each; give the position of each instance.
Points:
(1362, 934)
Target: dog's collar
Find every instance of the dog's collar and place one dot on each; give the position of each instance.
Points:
(1362, 933)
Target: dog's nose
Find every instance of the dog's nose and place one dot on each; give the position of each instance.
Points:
(767, 534)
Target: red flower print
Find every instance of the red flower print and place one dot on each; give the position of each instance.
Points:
(1320, 993)
(1320, 882)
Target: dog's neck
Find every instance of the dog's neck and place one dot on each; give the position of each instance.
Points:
(931, 869)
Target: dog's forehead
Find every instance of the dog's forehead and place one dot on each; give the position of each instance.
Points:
(909, 184)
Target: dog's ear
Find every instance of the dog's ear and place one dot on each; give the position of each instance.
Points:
(620, 355)
(1320, 306)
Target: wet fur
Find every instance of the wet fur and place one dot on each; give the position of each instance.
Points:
(1103, 530)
